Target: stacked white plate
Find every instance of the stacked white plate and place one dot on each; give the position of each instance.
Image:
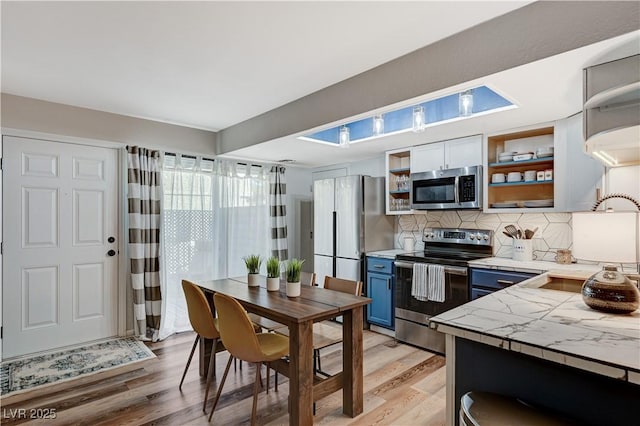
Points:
(505, 205)
(538, 203)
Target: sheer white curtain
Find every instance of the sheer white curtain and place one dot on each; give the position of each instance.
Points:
(214, 213)
(242, 225)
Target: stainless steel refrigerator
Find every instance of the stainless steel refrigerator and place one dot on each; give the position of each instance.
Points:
(349, 221)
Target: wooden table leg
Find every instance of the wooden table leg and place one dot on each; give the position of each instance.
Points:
(352, 354)
(301, 373)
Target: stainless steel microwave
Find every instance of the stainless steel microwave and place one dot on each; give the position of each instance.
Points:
(447, 189)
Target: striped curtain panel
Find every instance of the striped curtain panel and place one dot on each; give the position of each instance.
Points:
(144, 196)
(278, 213)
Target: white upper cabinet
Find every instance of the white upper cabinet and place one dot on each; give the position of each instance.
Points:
(449, 154)
(427, 157)
(579, 175)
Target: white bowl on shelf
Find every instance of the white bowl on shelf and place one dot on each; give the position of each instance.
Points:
(544, 151)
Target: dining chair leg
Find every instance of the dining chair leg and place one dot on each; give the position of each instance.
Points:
(193, 349)
(210, 373)
(268, 371)
(224, 377)
(256, 387)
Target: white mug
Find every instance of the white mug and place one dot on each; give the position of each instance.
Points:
(498, 178)
(530, 175)
(409, 244)
(514, 177)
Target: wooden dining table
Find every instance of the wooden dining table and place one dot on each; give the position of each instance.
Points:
(299, 313)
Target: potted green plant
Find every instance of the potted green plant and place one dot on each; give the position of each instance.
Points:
(253, 263)
(273, 274)
(294, 267)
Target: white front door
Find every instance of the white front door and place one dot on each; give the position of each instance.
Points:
(60, 222)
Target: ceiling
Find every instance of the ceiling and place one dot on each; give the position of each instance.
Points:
(210, 65)
(545, 90)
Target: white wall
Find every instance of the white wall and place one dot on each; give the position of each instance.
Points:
(373, 167)
(57, 119)
(298, 188)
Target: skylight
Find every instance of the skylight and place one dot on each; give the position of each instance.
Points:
(437, 111)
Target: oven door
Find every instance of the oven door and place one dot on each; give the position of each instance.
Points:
(412, 309)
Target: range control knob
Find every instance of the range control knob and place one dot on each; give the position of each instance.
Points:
(485, 237)
(472, 236)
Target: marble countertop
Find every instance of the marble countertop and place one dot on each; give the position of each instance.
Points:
(534, 266)
(389, 254)
(552, 325)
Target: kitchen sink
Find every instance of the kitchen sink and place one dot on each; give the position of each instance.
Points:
(571, 282)
(563, 284)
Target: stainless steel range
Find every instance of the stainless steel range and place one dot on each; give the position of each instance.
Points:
(452, 248)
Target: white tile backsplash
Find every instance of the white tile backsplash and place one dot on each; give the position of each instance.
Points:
(554, 229)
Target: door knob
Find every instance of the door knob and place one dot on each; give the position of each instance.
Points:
(111, 239)
(111, 252)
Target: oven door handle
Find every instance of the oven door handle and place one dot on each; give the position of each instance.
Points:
(404, 265)
(454, 270)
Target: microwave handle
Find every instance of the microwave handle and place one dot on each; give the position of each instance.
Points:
(456, 196)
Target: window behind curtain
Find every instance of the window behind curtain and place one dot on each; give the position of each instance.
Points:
(214, 214)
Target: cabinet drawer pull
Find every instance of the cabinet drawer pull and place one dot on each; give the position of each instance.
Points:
(505, 282)
(388, 283)
(378, 266)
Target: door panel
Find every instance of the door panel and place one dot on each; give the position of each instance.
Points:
(39, 297)
(348, 269)
(463, 152)
(323, 205)
(323, 267)
(348, 216)
(88, 288)
(59, 284)
(40, 221)
(88, 219)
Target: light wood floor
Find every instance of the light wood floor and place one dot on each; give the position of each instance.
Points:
(403, 385)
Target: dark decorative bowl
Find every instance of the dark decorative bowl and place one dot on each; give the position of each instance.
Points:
(611, 291)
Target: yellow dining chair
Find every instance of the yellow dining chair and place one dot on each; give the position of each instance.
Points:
(203, 324)
(242, 342)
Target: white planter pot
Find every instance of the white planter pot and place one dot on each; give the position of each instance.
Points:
(293, 289)
(253, 280)
(273, 284)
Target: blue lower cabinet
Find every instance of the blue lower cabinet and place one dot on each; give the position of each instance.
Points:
(380, 288)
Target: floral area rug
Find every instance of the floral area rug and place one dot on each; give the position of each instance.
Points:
(22, 374)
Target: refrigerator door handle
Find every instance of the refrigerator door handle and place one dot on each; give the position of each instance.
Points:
(335, 242)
